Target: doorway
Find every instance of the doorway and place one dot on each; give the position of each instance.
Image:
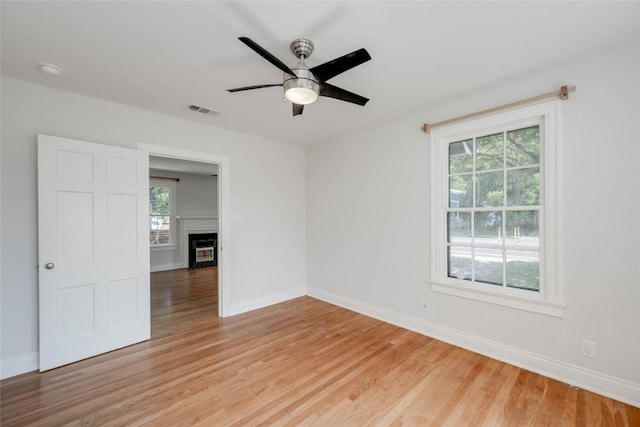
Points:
(223, 236)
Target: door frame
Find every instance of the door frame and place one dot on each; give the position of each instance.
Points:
(224, 261)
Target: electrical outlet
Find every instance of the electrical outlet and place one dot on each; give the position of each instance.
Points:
(588, 349)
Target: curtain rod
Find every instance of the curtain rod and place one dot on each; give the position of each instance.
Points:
(165, 178)
(562, 93)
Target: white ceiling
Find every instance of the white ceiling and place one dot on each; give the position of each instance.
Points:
(164, 56)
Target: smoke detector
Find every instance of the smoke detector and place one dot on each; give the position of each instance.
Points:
(50, 69)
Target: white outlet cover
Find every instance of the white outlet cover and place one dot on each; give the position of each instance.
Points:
(588, 349)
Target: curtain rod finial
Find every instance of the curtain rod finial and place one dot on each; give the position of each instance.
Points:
(426, 128)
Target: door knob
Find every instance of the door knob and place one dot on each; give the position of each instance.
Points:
(49, 266)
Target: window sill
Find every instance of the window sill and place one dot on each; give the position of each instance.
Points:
(163, 248)
(528, 304)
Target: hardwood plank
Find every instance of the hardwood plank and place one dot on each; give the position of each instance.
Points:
(302, 362)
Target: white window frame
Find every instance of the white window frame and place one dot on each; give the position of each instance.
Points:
(549, 299)
(172, 214)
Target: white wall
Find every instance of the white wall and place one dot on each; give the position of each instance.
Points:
(196, 195)
(267, 239)
(368, 237)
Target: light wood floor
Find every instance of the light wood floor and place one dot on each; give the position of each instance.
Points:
(302, 362)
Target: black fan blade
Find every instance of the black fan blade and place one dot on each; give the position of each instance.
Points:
(239, 89)
(297, 109)
(266, 55)
(335, 92)
(339, 65)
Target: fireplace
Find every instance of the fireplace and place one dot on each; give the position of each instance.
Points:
(203, 250)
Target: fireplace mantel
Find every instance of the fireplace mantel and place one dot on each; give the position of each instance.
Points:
(197, 224)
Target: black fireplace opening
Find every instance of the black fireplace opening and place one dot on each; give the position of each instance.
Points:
(203, 250)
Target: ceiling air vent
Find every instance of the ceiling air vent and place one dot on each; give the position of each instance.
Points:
(204, 110)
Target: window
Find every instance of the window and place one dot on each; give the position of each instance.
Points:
(161, 213)
(493, 212)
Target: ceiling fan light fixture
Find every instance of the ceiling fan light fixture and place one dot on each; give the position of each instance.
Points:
(300, 95)
(301, 91)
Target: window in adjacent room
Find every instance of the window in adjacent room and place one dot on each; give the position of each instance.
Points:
(161, 213)
(493, 214)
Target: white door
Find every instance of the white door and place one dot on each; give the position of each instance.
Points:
(93, 250)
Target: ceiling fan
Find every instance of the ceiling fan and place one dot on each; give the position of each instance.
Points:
(302, 85)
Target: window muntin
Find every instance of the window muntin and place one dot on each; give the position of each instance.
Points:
(160, 214)
(493, 231)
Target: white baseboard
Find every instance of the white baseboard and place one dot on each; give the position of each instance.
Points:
(165, 267)
(615, 388)
(19, 365)
(265, 301)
